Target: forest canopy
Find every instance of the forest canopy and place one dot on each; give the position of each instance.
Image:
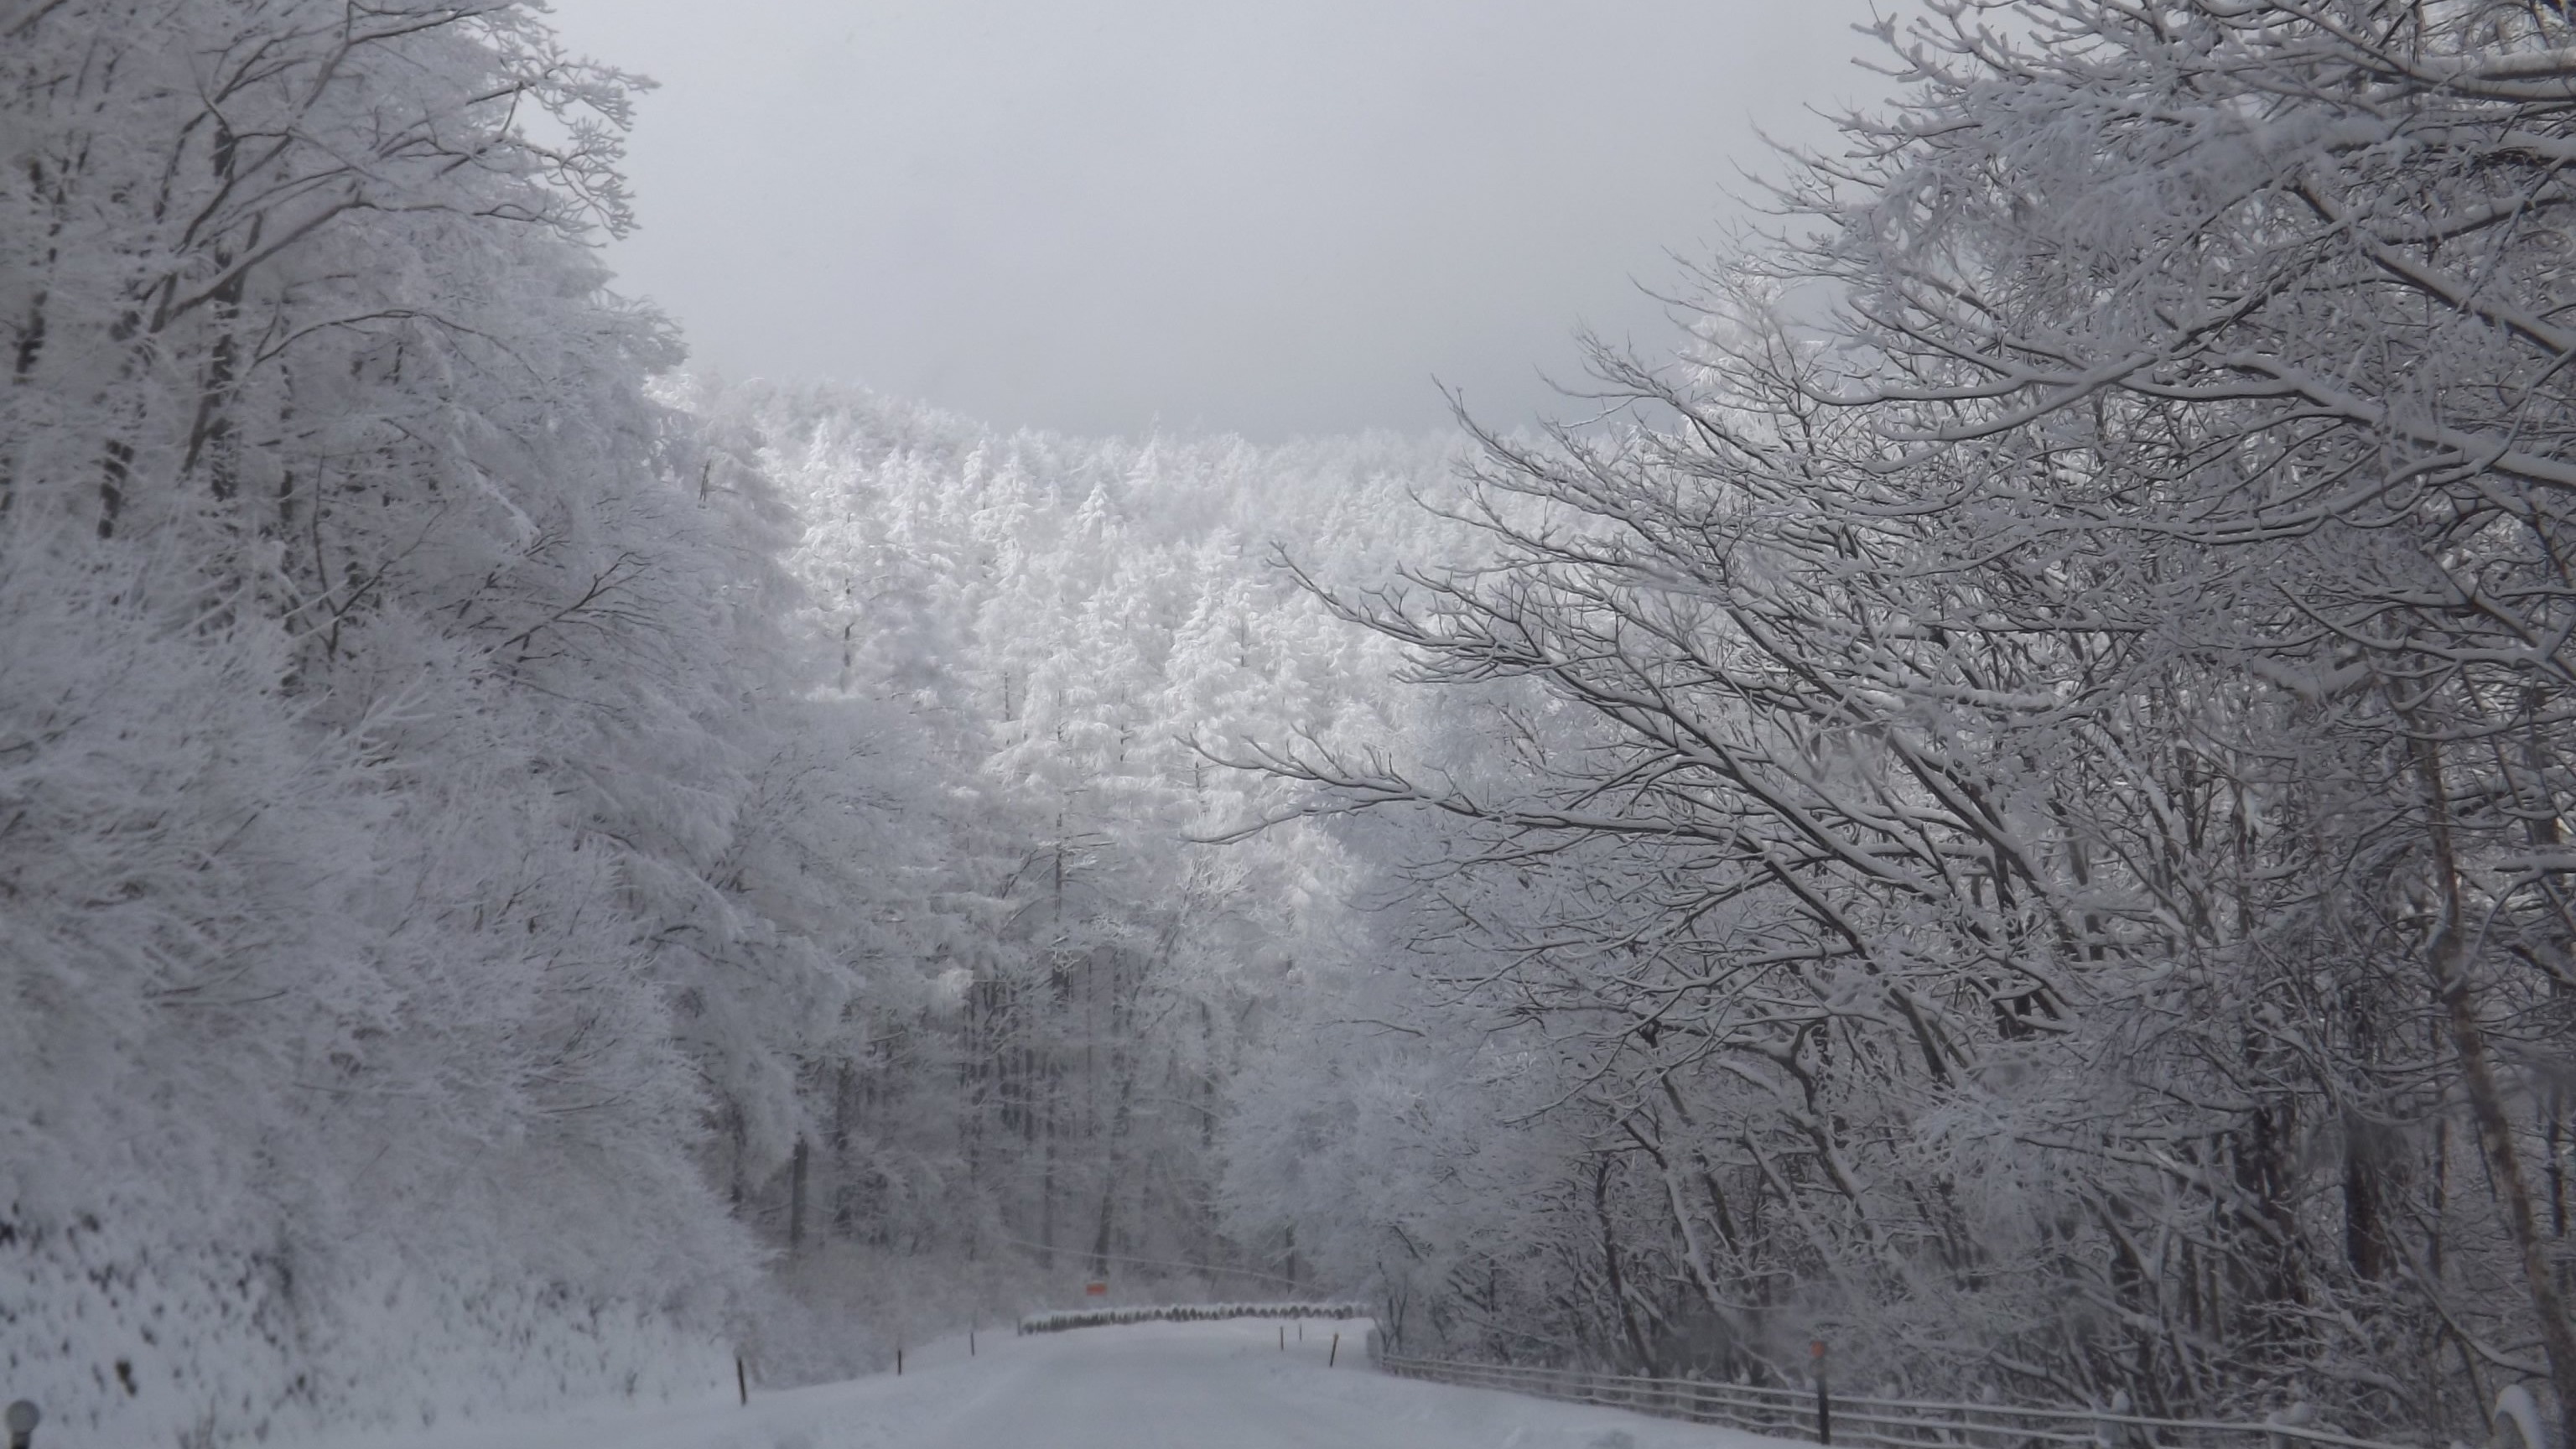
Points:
(2006, 810)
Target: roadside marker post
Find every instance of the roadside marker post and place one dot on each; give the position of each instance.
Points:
(1824, 1404)
(1336, 1352)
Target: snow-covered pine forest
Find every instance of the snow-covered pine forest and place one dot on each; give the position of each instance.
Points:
(2005, 810)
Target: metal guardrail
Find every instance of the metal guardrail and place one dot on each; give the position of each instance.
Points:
(1062, 1319)
(1875, 1423)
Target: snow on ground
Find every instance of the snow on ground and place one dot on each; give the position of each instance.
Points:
(1145, 1386)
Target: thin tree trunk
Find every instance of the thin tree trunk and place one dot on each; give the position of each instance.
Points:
(2448, 953)
(1610, 1264)
(796, 1199)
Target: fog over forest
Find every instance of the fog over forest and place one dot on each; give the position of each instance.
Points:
(1991, 810)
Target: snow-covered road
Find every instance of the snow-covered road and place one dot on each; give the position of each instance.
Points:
(1151, 1386)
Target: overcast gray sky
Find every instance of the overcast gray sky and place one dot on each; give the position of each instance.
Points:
(1263, 216)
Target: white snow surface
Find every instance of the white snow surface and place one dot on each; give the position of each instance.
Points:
(1141, 1386)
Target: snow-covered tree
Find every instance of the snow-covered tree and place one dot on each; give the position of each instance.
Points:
(2042, 783)
(1059, 619)
(395, 698)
